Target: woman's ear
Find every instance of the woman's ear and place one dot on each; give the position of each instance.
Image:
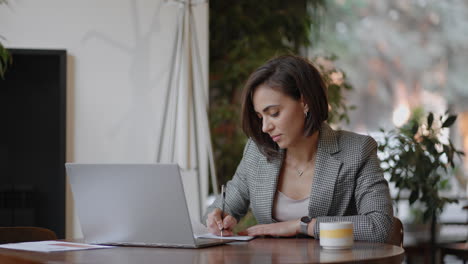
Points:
(304, 105)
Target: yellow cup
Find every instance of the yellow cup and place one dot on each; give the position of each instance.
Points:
(337, 235)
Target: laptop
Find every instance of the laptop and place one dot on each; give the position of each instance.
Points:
(133, 205)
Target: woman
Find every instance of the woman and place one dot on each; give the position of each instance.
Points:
(296, 171)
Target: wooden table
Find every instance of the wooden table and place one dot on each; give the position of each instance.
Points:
(260, 250)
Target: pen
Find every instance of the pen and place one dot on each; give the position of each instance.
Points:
(223, 197)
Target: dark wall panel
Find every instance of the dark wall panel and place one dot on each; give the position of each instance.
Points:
(32, 140)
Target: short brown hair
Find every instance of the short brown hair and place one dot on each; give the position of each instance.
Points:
(295, 77)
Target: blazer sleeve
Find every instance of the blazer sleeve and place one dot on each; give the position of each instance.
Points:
(372, 198)
(237, 190)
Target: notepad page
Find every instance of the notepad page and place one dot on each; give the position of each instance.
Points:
(201, 231)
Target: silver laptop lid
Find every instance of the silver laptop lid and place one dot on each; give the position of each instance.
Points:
(131, 203)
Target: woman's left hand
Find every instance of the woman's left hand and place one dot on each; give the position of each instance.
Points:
(288, 228)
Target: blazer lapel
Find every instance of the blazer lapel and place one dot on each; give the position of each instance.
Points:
(268, 173)
(326, 172)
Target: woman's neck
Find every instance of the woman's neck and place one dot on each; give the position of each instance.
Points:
(304, 151)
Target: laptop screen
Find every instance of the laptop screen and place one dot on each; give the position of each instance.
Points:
(130, 203)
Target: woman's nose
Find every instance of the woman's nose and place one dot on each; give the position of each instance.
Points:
(266, 125)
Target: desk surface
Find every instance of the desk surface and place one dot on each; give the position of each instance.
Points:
(260, 250)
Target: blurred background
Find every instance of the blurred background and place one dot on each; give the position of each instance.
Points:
(160, 81)
(387, 64)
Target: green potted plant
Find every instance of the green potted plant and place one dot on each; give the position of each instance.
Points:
(420, 161)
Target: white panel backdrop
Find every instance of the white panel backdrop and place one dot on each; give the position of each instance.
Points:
(119, 57)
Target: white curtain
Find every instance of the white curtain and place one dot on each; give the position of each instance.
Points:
(185, 135)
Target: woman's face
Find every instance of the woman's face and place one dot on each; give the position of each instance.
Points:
(282, 116)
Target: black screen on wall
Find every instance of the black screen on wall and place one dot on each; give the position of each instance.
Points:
(32, 140)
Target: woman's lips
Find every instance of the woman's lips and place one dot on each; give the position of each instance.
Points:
(276, 138)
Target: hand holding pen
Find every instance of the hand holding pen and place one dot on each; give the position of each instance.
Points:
(218, 222)
(223, 197)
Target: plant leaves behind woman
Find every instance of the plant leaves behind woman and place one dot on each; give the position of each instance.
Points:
(419, 160)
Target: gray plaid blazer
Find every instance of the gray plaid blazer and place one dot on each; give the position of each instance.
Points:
(348, 185)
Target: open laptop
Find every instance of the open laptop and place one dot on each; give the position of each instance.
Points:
(134, 205)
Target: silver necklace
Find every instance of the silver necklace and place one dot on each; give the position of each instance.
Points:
(300, 172)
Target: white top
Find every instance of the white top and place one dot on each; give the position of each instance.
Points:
(286, 208)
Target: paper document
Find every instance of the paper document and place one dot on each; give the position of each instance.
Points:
(51, 246)
(201, 231)
(240, 238)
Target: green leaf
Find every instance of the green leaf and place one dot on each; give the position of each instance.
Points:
(414, 196)
(451, 200)
(414, 129)
(449, 121)
(1, 66)
(5, 59)
(444, 184)
(382, 147)
(430, 119)
(428, 215)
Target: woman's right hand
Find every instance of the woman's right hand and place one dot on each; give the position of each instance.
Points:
(216, 223)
